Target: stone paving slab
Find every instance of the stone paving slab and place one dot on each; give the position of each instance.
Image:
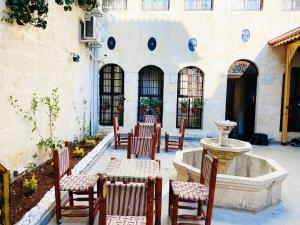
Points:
(285, 213)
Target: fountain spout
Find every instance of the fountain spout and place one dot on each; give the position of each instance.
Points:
(225, 127)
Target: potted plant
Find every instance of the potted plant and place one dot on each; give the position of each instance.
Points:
(156, 103)
(197, 104)
(105, 105)
(144, 104)
(184, 105)
(120, 106)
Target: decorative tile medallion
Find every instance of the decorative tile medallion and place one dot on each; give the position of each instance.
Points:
(192, 44)
(245, 36)
(152, 43)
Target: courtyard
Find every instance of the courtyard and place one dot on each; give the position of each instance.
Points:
(284, 213)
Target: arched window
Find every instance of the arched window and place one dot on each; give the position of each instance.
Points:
(190, 100)
(111, 93)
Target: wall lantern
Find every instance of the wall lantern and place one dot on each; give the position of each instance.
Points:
(75, 57)
(152, 43)
(111, 43)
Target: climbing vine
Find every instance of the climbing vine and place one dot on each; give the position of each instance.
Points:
(34, 12)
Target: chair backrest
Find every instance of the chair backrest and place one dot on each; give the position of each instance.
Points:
(130, 199)
(208, 169)
(62, 163)
(145, 129)
(182, 126)
(142, 145)
(151, 118)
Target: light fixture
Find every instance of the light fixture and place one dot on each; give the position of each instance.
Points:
(75, 57)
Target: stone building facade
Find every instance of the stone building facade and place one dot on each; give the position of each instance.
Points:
(225, 33)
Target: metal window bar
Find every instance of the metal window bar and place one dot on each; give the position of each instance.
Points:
(197, 5)
(190, 87)
(250, 5)
(155, 5)
(111, 90)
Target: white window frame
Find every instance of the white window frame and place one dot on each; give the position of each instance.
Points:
(197, 5)
(154, 5)
(114, 5)
(247, 5)
(291, 5)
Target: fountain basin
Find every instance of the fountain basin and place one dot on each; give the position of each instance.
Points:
(251, 182)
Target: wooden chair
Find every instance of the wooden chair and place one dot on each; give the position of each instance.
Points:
(80, 185)
(141, 146)
(146, 130)
(198, 193)
(126, 204)
(120, 137)
(175, 141)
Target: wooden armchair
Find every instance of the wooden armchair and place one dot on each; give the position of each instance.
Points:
(175, 141)
(126, 204)
(80, 185)
(141, 146)
(198, 193)
(120, 137)
(146, 130)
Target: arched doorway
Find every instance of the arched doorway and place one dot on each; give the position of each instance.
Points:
(111, 93)
(241, 98)
(151, 85)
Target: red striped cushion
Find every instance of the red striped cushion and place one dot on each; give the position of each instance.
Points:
(141, 145)
(150, 119)
(126, 220)
(145, 130)
(190, 191)
(64, 160)
(126, 199)
(207, 166)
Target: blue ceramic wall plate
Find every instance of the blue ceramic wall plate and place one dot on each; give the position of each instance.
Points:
(151, 43)
(111, 43)
(245, 36)
(192, 44)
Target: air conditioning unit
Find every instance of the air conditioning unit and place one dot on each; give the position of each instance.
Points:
(91, 32)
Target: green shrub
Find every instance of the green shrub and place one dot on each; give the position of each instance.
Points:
(197, 103)
(99, 135)
(184, 103)
(90, 142)
(145, 102)
(30, 185)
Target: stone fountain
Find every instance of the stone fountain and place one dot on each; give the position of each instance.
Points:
(245, 181)
(224, 148)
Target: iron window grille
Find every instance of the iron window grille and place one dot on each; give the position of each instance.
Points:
(151, 85)
(111, 92)
(155, 5)
(250, 5)
(291, 5)
(190, 88)
(114, 5)
(198, 5)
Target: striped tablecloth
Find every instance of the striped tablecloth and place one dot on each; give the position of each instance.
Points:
(131, 170)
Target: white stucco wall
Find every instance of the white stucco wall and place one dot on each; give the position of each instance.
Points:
(219, 45)
(36, 60)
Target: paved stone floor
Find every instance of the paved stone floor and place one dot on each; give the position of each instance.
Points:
(286, 212)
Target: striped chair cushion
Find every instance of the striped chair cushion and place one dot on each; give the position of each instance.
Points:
(126, 199)
(190, 191)
(78, 182)
(145, 130)
(125, 220)
(174, 137)
(122, 133)
(150, 119)
(141, 145)
(206, 170)
(64, 160)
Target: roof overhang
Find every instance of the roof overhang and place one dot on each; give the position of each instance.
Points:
(286, 38)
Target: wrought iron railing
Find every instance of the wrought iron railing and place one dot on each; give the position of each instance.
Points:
(156, 5)
(117, 5)
(197, 5)
(291, 5)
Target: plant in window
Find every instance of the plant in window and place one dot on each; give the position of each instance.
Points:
(144, 104)
(184, 105)
(120, 101)
(105, 105)
(197, 104)
(156, 104)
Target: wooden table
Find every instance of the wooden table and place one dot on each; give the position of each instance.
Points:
(135, 170)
